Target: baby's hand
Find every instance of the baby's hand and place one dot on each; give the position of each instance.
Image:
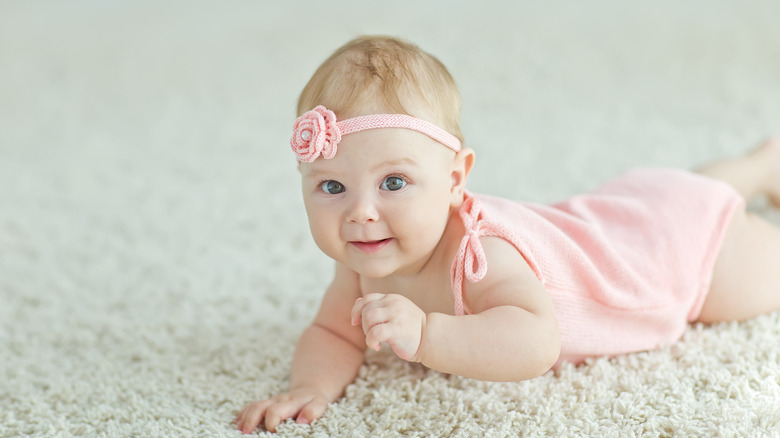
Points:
(305, 403)
(393, 319)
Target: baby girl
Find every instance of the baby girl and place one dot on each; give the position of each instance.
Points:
(488, 288)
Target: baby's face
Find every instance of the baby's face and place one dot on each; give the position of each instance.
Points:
(381, 205)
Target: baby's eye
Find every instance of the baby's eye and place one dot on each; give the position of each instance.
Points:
(393, 183)
(332, 187)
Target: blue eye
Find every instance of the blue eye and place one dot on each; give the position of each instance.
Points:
(393, 183)
(332, 187)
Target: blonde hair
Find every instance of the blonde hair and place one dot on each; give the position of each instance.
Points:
(404, 78)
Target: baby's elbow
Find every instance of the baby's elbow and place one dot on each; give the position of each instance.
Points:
(551, 346)
(544, 354)
(552, 352)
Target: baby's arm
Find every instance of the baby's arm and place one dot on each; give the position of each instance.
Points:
(512, 334)
(326, 360)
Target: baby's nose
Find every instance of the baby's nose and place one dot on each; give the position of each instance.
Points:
(363, 210)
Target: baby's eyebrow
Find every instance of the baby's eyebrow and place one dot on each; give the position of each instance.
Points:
(313, 171)
(403, 161)
(397, 162)
(316, 173)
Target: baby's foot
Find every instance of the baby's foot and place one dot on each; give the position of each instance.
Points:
(769, 154)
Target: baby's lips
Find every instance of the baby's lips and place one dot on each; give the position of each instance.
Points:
(371, 246)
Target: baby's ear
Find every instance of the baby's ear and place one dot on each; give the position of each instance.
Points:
(461, 167)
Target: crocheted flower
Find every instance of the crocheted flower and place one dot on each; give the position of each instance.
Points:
(315, 133)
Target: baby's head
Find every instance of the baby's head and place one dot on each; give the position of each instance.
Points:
(375, 75)
(378, 142)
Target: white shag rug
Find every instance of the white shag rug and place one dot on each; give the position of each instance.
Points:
(155, 263)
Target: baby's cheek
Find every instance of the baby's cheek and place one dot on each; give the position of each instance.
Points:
(326, 242)
(423, 235)
(429, 220)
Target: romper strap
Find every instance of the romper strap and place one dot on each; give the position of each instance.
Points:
(470, 261)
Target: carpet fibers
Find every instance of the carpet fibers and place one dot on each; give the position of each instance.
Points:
(156, 266)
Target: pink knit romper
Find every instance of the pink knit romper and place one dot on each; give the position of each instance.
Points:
(627, 266)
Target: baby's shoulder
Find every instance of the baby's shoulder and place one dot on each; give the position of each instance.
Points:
(503, 259)
(507, 278)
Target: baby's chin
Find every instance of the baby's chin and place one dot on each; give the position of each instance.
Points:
(364, 270)
(372, 273)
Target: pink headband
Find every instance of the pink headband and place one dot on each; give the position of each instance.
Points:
(317, 132)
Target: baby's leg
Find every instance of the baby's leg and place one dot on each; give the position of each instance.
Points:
(746, 278)
(753, 174)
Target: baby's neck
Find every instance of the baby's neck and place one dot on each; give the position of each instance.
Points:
(429, 287)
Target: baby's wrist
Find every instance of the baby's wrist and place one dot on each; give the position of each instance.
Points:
(422, 349)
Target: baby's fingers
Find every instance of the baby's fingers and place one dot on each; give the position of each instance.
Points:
(357, 312)
(360, 304)
(274, 412)
(312, 411)
(251, 416)
(377, 334)
(280, 412)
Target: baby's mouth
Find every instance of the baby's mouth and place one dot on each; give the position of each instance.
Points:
(370, 245)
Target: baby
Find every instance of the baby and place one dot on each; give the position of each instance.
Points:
(488, 288)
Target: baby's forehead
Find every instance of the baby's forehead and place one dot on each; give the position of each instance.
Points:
(360, 158)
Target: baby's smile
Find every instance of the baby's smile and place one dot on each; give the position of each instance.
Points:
(370, 246)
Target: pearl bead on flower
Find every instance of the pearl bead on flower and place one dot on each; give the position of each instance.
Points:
(306, 135)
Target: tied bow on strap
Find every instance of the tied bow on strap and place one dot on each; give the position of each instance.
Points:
(470, 261)
(470, 250)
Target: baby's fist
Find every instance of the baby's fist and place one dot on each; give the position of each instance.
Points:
(393, 319)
